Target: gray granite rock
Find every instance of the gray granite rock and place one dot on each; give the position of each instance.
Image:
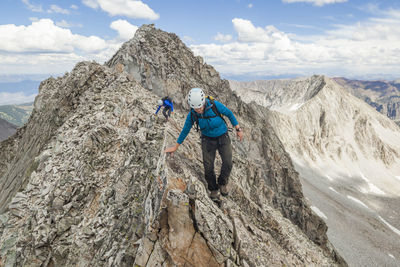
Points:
(102, 192)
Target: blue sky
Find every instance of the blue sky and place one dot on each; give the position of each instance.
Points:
(242, 39)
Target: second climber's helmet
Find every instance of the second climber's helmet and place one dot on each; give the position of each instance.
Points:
(196, 98)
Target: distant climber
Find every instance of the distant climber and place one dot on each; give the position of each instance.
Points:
(165, 102)
(207, 114)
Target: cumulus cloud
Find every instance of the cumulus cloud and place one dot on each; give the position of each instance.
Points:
(361, 50)
(15, 98)
(248, 33)
(74, 7)
(44, 47)
(128, 8)
(315, 2)
(223, 38)
(44, 36)
(33, 7)
(57, 9)
(125, 30)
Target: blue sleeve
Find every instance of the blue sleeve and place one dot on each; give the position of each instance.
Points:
(186, 129)
(158, 109)
(227, 112)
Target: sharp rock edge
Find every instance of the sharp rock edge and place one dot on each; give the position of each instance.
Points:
(86, 183)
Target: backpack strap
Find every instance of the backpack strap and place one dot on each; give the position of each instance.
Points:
(195, 119)
(215, 109)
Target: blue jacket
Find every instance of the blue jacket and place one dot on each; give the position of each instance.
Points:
(168, 103)
(212, 127)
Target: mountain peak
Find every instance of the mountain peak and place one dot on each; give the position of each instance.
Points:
(162, 63)
(286, 95)
(87, 182)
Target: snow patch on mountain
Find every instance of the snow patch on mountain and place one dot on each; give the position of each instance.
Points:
(371, 187)
(358, 201)
(332, 189)
(338, 144)
(319, 212)
(394, 229)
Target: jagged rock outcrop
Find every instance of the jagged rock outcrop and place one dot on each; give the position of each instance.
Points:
(88, 183)
(6, 129)
(348, 157)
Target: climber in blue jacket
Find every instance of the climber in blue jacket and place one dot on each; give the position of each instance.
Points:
(165, 102)
(206, 114)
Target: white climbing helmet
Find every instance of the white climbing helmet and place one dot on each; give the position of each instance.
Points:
(160, 102)
(196, 98)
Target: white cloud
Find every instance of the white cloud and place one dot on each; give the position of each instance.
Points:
(32, 7)
(128, 8)
(15, 98)
(366, 49)
(90, 3)
(250, 34)
(33, 19)
(125, 30)
(44, 36)
(74, 7)
(250, 6)
(57, 9)
(44, 48)
(223, 38)
(64, 24)
(315, 2)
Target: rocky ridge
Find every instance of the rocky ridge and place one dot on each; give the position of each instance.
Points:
(86, 183)
(348, 157)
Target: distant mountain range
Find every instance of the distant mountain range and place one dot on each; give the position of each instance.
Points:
(16, 114)
(384, 96)
(347, 156)
(6, 129)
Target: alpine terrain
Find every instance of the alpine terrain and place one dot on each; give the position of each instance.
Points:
(86, 181)
(16, 114)
(6, 129)
(384, 96)
(348, 158)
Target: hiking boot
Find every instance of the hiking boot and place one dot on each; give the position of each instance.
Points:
(224, 190)
(214, 195)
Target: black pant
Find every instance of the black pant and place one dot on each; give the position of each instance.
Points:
(166, 110)
(209, 145)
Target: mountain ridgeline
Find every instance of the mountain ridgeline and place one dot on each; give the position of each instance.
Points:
(86, 182)
(348, 158)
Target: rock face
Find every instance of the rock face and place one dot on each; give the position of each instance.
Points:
(6, 129)
(384, 96)
(348, 157)
(86, 183)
